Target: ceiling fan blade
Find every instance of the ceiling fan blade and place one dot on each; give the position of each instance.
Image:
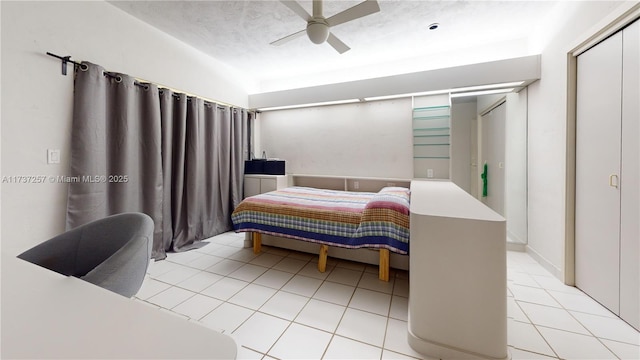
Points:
(365, 8)
(297, 8)
(337, 44)
(288, 38)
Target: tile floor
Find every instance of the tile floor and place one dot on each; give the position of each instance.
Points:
(277, 305)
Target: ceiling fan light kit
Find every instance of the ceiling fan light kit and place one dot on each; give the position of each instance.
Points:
(318, 31)
(319, 28)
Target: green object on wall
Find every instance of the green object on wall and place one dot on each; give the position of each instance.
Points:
(484, 180)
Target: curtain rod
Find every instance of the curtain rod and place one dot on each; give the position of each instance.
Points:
(65, 60)
(140, 82)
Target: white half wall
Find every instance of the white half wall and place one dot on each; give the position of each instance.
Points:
(372, 139)
(37, 99)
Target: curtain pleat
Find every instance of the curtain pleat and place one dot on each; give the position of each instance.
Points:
(223, 128)
(174, 114)
(239, 153)
(178, 159)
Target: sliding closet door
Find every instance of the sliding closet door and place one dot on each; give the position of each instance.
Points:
(630, 178)
(597, 248)
(493, 154)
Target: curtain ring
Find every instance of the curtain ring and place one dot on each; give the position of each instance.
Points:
(84, 67)
(118, 78)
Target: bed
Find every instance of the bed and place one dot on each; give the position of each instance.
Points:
(330, 218)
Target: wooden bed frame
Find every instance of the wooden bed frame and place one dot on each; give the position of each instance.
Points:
(383, 264)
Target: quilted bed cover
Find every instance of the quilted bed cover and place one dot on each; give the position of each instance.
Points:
(338, 218)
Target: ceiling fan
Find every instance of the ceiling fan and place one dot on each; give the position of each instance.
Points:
(318, 27)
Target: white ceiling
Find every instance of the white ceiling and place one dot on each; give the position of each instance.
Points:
(239, 32)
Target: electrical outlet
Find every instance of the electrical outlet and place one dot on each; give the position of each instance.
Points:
(391, 184)
(356, 185)
(429, 173)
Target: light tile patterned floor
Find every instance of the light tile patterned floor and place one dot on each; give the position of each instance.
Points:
(276, 305)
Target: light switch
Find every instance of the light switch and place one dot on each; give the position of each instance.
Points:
(53, 156)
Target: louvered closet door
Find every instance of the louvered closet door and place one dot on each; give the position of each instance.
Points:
(598, 143)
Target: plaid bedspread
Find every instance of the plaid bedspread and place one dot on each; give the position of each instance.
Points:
(337, 218)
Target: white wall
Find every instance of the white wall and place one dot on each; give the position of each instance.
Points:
(547, 128)
(370, 139)
(463, 114)
(516, 166)
(37, 99)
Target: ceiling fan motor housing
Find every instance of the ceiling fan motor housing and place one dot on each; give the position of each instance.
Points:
(318, 30)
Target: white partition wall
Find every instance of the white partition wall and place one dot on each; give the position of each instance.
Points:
(458, 275)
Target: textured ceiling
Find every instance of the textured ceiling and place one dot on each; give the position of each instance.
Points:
(239, 32)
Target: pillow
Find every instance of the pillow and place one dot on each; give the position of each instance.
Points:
(391, 198)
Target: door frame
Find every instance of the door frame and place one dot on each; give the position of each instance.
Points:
(621, 17)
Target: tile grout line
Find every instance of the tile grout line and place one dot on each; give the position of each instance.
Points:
(537, 330)
(356, 286)
(568, 311)
(534, 352)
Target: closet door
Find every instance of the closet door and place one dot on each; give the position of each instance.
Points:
(493, 154)
(598, 129)
(630, 178)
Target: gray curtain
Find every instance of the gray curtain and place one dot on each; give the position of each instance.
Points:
(178, 159)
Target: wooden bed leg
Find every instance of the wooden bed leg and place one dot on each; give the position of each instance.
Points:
(322, 261)
(257, 242)
(383, 272)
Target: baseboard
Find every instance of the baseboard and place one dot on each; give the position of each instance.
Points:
(555, 271)
(511, 237)
(515, 246)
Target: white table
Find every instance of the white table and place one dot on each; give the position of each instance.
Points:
(49, 315)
